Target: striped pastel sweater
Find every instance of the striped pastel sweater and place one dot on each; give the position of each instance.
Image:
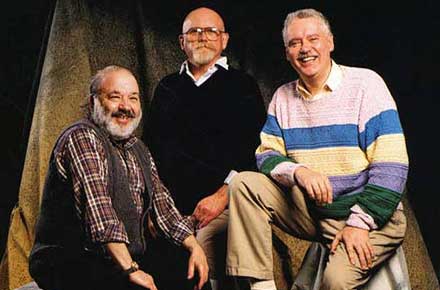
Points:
(352, 134)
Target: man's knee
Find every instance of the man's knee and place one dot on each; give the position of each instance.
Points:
(338, 277)
(244, 181)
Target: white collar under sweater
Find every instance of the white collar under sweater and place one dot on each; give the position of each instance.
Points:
(222, 61)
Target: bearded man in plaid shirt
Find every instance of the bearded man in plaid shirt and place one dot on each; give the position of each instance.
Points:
(101, 196)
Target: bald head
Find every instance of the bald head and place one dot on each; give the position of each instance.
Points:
(203, 17)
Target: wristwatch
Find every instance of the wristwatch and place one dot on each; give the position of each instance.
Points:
(133, 268)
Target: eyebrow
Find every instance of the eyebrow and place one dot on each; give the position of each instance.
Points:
(119, 93)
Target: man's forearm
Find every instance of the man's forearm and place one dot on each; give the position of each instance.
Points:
(119, 253)
(190, 243)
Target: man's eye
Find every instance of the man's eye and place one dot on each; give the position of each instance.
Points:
(294, 43)
(114, 97)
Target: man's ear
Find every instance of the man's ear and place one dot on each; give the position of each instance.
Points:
(332, 44)
(91, 102)
(225, 39)
(181, 40)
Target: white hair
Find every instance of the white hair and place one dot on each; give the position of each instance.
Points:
(301, 14)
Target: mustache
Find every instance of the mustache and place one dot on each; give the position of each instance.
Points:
(123, 113)
(203, 45)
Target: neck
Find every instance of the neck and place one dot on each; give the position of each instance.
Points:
(199, 70)
(315, 83)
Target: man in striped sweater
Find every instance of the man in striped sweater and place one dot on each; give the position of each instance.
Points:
(333, 167)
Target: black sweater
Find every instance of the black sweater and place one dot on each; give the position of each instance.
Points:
(198, 134)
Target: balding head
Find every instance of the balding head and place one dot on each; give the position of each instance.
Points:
(203, 17)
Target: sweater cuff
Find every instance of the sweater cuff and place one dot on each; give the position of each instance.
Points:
(231, 175)
(284, 173)
(360, 219)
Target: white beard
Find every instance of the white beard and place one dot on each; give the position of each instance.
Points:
(100, 117)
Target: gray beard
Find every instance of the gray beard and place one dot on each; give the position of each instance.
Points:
(203, 58)
(100, 117)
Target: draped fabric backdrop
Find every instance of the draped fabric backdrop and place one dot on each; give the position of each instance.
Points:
(142, 35)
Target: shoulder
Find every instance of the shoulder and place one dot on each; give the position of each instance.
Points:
(79, 134)
(364, 77)
(286, 90)
(170, 80)
(240, 76)
(169, 87)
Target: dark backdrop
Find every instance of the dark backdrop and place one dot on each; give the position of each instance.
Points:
(400, 42)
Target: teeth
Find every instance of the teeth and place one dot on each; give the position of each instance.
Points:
(306, 59)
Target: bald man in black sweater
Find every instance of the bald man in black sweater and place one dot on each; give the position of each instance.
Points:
(202, 128)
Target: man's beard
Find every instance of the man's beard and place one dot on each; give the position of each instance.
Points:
(103, 118)
(202, 56)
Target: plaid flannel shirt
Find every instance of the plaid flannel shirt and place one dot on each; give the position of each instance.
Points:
(80, 155)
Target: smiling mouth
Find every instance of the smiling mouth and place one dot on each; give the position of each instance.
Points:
(306, 59)
(123, 115)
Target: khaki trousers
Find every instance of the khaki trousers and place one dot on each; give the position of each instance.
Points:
(212, 238)
(256, 202)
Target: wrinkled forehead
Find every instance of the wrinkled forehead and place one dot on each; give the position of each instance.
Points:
(203, 19)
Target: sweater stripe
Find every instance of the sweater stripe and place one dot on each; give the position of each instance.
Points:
(321, 137)
(332, 161)
(384, 149)
(386, 122)
(389, 175)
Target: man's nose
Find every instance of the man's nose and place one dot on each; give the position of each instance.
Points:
(124, 104)
(202, 36)
(305, 47)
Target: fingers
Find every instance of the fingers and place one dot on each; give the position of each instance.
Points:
(142, 279)
(203, 274)
(351, 253)
(320, 190)
(368, 256)
(317, 188)
(335, 243)
(371, 249)
(190, 269)
(329, 190)
(151, 284)
(201, 270)
(361, 256)
(205, 221)
(198, 212)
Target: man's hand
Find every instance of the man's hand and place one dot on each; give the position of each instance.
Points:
(317, 185)
(357, 242)
(197, 261)
(142, 279)
(211, 206)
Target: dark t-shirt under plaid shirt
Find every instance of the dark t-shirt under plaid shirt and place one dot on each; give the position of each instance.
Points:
(80, 155)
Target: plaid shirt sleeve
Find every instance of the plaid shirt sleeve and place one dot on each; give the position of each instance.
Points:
(171, 223)
(84, 158)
